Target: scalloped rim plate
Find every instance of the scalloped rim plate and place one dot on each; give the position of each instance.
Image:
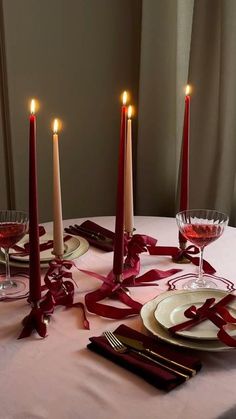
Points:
(170, 312)
(46, 255)
(150, 323)
(81, 249)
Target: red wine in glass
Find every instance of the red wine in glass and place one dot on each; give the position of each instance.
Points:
(202, 234)
(11, 233)
(201, 227)
(13, 227)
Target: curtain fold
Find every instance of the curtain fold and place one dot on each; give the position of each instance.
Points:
(187, 41)
(165, 45)
(213, 133)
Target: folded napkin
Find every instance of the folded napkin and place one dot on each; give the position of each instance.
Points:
(96, 235)
(151, 372)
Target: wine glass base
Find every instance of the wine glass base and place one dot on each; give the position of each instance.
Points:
(11, 287)
(194, 284)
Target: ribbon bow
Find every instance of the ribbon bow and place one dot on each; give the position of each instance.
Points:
(59, 292)
(109, 288)
(216, 313)
(177, 254)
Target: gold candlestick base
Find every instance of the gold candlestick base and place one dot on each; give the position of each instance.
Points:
(119, 280)
(36, 305)
(129, 234)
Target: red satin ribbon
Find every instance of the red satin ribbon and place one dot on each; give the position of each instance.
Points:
(177, 254)
(217, 313)
(34, 321)
(59, 292)
(138, 244)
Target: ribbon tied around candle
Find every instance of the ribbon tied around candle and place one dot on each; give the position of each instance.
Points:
(110, 288)
(60, 292)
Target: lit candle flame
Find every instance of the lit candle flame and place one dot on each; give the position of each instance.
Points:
(187, 90)
(55, 126)
(32, 106)
(130, 111)
(124, 99)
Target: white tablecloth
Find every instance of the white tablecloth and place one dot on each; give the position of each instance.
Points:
(58, 378)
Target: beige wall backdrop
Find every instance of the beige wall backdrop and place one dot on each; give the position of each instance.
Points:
(76, 57)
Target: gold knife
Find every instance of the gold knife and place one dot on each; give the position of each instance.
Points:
(139, 346)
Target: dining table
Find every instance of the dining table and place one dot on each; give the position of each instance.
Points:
(57, 377)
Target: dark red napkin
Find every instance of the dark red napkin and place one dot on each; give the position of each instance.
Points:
(151, 372)
(96, 235)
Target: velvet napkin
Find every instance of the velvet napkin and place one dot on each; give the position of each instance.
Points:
(96, 235)
(151, 372)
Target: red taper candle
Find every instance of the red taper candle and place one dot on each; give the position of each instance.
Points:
(119, 228)
(34, 255)
(184, 178)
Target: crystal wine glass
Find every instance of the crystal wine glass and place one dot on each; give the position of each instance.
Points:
(13, 227)
(201, 227)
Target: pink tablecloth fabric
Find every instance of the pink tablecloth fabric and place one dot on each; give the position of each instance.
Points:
(58, 378)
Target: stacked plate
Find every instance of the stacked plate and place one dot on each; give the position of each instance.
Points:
(168, 309)
(74, 247)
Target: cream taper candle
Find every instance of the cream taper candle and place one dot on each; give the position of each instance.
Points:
(58, 244)
(129, 211)
(118, 260)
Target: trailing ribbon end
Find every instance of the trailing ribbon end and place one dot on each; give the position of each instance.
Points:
(111, 288)
(34, 322)
(178, 254)
(85, 320)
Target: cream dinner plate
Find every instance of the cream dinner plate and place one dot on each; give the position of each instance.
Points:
(80, 250)
(170, 311)
(155, 328)
(46, 255)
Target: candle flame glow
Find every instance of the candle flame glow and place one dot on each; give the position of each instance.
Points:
(124, 98)
(55, 126)
(187, 90)
(32, 106)
(130, 111)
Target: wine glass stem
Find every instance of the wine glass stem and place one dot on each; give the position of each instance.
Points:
(8, 276)
(200, 272)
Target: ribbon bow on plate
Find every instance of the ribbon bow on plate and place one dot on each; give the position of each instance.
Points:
(217, 313)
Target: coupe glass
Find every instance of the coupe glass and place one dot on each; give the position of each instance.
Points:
(201, 227)
(13, 226)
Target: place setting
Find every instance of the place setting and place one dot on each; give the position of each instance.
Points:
(73, 248)
(167, 310)
(200, 316)
(178, 323)
(14, 254)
